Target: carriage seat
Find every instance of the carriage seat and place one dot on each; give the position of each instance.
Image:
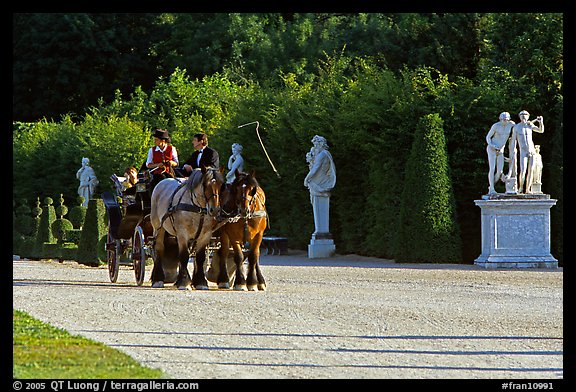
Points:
(127, 199)
(118, 183)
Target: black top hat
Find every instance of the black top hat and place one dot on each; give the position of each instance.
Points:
(162, 134)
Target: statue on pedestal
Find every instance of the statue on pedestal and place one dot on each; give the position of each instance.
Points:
(320, 181)
(88, 181)
(515, 226)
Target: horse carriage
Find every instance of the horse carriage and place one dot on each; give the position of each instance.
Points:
(186, 214)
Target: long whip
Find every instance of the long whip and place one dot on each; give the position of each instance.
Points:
(262, 144)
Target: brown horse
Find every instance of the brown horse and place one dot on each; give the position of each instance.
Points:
(245, 200)
(184, 211)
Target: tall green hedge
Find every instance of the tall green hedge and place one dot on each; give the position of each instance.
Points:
(367, 113)
(428, 229)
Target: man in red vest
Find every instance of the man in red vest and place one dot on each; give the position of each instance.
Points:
(162, 158)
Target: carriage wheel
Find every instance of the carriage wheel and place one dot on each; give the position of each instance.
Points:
(113, 256)
(139, 255)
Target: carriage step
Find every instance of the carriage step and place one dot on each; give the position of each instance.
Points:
(274, 245)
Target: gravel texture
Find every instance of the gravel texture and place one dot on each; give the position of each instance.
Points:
(347, 317)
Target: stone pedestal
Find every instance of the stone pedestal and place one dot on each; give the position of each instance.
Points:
(321, 245)
(516, 231)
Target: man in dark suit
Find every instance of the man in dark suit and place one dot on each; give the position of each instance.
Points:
(202, 156)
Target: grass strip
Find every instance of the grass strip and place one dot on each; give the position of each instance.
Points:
(44, 351)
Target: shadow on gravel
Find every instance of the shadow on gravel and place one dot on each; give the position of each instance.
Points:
(72, 283)
(365, 365)
(343, 350)
(308, 335)
(558, 371)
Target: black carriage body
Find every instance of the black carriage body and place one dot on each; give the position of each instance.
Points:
(129, 227)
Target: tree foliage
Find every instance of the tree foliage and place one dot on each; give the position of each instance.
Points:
(363, 81)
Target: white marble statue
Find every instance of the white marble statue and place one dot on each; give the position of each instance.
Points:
(496, 141)
(537, 166)
(235, 162)
(88, 181)
(522, 139)
(320, 181)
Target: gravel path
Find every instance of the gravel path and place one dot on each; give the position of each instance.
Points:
(345, 317)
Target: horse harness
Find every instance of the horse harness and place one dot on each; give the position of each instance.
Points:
(190, 207)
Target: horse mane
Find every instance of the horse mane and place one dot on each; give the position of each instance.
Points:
(194, 180)
(196, 177)
(246, 178)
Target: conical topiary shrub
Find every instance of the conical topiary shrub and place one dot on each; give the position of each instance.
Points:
(94, 229)
(61, 224)
(428, 231)
(44, 229)
(29, 248)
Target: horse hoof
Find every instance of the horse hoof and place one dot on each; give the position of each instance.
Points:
(185, 287)
(252, 287)
(158, 285)
(241, 287)
(261, 287)
(211, 276)
(224, 286)
(201, 287)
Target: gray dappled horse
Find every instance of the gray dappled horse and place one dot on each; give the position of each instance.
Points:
(187, 210)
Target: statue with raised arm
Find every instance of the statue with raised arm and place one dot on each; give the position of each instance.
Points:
(496, 141)
(88, 181)
(522, 139)
(235, 162)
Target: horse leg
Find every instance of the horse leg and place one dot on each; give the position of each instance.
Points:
(183, 282)
(261, 281)
(255, 278)
(214, 268)
(252, 279)
(240, 278)
(223, 280)
(198, 277)
(157, 276)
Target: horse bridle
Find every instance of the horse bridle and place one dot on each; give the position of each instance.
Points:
(234, 215)
(250, 213)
